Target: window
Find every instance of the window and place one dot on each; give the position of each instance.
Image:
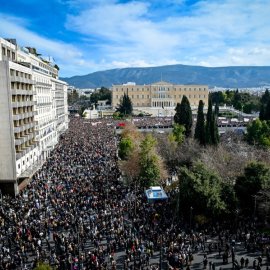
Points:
(13, 55)
(142, 96)
(19, 166)
(8, 53)
(3, 51)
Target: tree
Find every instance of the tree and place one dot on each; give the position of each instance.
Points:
(237, 100)
(201, 189)
(212, 136)
(216, 109)
(183, 115)
(125, 107)
(178, 134)
(73, 97)
(214, 130)
(125, 148)
(267, 111)
(256, 177)
(209, 117)
(151, 166)
(258, 132)
(102, 94)
(218, 97)
(265, 102)
(200, 126)
(81, 111)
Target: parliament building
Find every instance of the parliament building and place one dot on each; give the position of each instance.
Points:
(159, 98)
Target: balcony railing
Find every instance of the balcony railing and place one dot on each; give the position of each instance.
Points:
(18, 104)
(23, 92)
(21, 80)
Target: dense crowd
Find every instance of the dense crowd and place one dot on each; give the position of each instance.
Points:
(77, 214)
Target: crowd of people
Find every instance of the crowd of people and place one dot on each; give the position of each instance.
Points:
(76, 213)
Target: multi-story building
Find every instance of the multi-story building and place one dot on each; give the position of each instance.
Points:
(33, 109)
(160, 97)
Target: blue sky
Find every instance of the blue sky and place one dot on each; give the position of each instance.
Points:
(85, 36)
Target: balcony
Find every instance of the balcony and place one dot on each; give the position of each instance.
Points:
(18, 104)
(23, 115)
(19, 141)
(19, 155)
(21, 80)
(23, 92)
(18, 129)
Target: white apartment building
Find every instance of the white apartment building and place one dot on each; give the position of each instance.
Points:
(34, 112)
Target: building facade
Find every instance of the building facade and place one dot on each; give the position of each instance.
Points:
(34, 112)
(160, 97)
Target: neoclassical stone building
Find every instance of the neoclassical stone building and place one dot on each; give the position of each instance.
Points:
(159, 98)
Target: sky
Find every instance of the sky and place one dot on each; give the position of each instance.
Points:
(85, 36)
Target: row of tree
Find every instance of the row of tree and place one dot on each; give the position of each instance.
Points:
(205, 132)
(100, 94)
(245, 102)
(218, 182)
(258, 132)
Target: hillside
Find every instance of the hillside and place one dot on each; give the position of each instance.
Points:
(241, 76)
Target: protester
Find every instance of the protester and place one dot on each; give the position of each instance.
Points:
(76, 213)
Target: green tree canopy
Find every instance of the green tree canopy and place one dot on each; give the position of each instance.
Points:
(81, 111)
(125, 147)
(73, 97)
(201, 189)
(183, 115)
(178, 133)
(150, 171)
(125, 107)
(258, 132)
(200, 126)
(101, 94)
(256, 177)
(211, 129)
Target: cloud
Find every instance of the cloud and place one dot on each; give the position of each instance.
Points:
(213, 32)
(108, 34)
(64, 54)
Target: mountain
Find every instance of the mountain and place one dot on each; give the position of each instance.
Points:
(241, 76)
